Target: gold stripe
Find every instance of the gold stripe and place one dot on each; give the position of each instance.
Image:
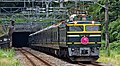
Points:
(73, 42)
(81, 43)
(62, 42)
(83, 24)
(58, 42)
(84, 28)
(84, 32)
(54, 42)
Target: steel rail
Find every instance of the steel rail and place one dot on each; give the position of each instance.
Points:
(81, 64)
(39, 58)
(92, 63)
(27, 57)
(96, 64)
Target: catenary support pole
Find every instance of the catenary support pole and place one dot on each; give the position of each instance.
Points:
(106, 26)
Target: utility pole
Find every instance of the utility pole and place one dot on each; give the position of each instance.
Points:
(47, 9)
(61, 3)
(106, 26)
(76, 3)
(24, 4)
(33, 3)
(11, 30)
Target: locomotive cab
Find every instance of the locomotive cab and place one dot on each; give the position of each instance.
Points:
(83, 40)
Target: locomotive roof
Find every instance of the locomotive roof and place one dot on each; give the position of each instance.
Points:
(83, 22)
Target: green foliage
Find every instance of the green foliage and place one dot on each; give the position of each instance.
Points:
(98, 13)
(102, 45)
(114, 30)
(7, 58)
(114, 53)
(7, 53)
(0, 21)
(114, 9)
(94, 11)
(113, 59)
(113, 47)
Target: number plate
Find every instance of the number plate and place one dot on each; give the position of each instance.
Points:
(84, 51)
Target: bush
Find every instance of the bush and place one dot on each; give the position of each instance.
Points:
(7, 58)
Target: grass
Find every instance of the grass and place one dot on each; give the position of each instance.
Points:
(7, 58)
(114, 54)
(112, 59)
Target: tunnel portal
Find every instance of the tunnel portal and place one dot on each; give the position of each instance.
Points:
(20, 39)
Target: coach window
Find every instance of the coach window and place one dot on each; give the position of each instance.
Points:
(54, 35)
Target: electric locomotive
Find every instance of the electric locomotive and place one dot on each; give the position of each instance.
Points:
(77, 40)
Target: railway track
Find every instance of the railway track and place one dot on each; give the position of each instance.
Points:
(90, 64)
(30, 56)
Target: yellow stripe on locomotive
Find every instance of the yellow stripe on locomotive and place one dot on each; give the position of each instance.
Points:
(81, 43)
(83, 29)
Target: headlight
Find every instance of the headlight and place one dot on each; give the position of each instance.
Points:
(72, 49)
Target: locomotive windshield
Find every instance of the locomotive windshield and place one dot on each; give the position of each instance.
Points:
(76, 28)
(92, 28)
